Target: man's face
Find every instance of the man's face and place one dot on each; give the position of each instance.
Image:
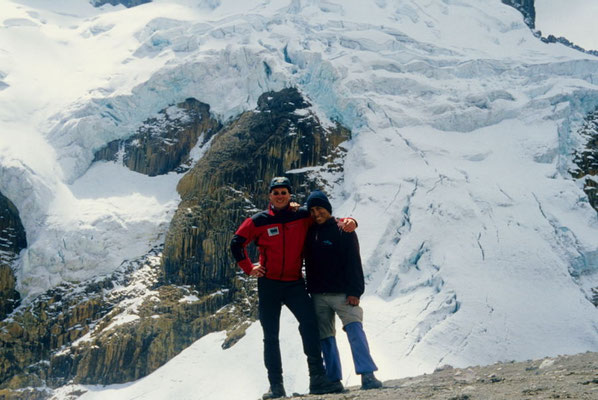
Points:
(319, 214)
(280, 197)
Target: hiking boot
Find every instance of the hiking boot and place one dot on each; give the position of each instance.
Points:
(369, 381)
(276, 391)
(320, 384)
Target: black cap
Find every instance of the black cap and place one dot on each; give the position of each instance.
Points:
(280, 181)
(318, 198)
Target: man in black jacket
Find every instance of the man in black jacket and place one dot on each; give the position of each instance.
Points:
(335, 280)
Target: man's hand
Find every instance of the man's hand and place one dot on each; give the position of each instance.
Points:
(257, 271)
(347, 224)
(294, 205)
(352, 300)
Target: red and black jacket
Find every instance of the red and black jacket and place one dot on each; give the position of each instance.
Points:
(279, 236)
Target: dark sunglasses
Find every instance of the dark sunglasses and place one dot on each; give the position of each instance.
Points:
(282, 192)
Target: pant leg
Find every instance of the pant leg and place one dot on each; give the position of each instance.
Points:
(332, 360)
(324, 315)
(300, 304)
(326, 321)
(269, 308)
(359, 348)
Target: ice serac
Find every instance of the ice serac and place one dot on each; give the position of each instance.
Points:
(230, 183)
(12, 240)
(162, 144)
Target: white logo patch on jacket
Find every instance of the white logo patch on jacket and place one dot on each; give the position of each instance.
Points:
(273, 231)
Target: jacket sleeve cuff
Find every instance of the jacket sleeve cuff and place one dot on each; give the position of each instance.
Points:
(246, 266)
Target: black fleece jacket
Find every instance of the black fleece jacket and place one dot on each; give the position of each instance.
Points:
(332, 260)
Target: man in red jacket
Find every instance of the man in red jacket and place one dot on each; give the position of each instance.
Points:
(279, 233)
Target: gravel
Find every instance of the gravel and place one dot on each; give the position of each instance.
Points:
(562, 377)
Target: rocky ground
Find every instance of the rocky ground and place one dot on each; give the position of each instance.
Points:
(563, 377)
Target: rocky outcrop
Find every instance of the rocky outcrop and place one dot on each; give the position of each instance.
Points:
(115, 329)
(9, 297)
(526, 7)
(163, 143)
(230, 183)
(30, 336)
(586, 159)
(566, 42)
(12, 241)
(162, 326)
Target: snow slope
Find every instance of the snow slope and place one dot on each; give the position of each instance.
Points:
(477, 244)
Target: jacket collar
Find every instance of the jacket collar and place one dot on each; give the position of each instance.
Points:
(330, 221)
(273, 211)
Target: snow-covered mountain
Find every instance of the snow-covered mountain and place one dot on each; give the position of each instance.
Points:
(477, 243)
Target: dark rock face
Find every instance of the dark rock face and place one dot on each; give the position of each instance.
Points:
(587, 159)
(230, 183)
(126, 3)
(526, 7)
(566, 42)
(163, 143)
(12, 241)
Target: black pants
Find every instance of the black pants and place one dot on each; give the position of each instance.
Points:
(272, 295)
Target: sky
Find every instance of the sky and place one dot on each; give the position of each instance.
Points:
(573, 19)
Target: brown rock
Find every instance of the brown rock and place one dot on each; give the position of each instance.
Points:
(230, 183)
(163, 143)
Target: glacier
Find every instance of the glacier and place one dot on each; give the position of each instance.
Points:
(477, 244)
